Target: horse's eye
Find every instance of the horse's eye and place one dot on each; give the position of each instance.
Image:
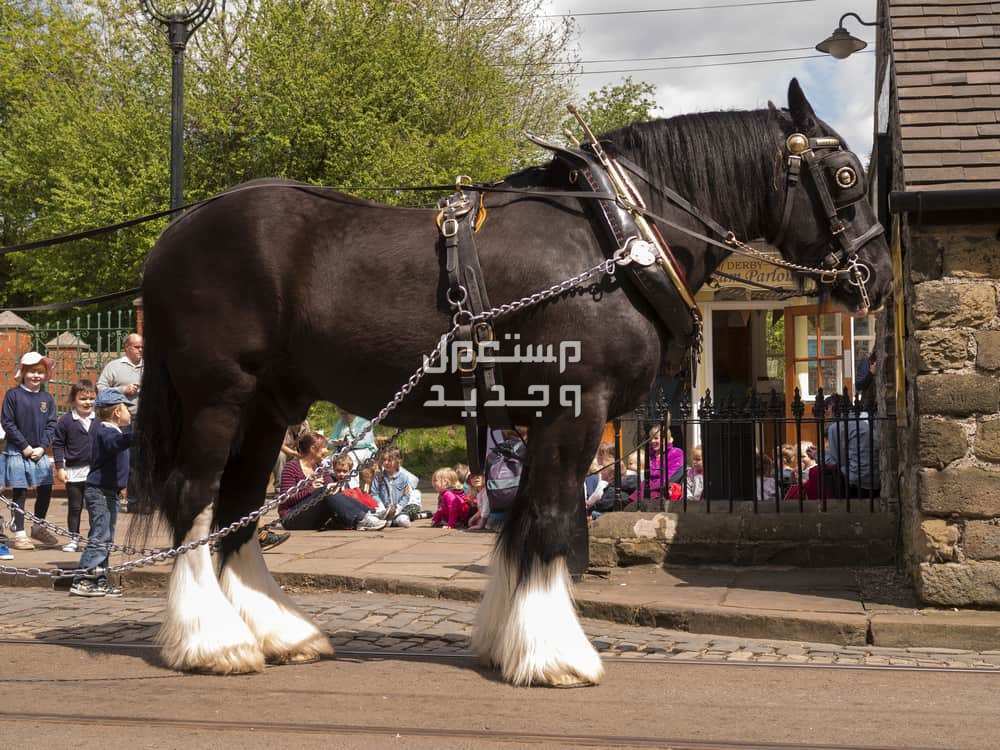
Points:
(846, 177)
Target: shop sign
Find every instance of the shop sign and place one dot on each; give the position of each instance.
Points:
(756, 271)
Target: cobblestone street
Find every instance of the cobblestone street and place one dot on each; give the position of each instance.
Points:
(414, 625)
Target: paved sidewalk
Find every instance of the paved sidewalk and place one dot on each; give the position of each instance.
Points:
(832, 605)
(399, 624)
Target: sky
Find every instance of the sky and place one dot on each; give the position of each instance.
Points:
(841, 91)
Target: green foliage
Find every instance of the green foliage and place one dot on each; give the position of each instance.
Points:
(615, 106)
(343, 92)
(424, 450)
(427, 450)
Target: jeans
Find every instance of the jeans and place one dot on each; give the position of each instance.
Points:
(102, 507)
(344, 511)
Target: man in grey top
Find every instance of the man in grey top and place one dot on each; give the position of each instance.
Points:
(125, 373)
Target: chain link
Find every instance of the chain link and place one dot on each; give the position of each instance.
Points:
(153, 556)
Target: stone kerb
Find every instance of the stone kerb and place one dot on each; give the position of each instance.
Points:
(954, 349)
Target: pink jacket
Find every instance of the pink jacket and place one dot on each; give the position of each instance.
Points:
(453, 509)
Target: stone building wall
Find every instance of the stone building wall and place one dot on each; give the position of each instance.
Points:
(950, 450)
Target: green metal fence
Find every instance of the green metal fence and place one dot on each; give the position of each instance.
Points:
(81, 346)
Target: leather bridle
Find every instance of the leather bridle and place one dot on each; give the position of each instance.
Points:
(821, 156)
(827, 162)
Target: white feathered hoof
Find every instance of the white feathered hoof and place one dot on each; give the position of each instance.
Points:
(284, 632)
(530, 630)
(201, 631)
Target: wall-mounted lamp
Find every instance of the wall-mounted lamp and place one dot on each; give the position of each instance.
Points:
(840, 43)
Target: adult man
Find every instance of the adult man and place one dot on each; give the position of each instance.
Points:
(125, 373)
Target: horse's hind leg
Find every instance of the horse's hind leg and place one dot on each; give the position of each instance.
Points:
(285, 632)
(527, 624)
(201, 631)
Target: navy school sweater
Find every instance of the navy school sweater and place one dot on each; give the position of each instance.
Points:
(109, 457)
(28, 418)
(71, 443)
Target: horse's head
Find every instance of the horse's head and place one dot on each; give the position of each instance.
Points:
(824, 219)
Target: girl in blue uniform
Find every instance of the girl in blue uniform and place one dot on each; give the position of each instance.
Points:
(29, 419)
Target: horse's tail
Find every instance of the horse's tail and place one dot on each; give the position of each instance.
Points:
(157, 428)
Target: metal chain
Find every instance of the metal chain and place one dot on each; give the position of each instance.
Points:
(607, 267)
(743, 248)
(151, 557)
(78, 538)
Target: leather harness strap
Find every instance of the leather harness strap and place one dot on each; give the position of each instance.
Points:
(460, 217)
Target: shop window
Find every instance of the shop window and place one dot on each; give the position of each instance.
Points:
(816, 341)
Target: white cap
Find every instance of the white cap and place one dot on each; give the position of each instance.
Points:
(32, 358)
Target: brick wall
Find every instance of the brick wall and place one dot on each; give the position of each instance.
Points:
(950, 452)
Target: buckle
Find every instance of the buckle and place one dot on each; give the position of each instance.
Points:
(483, 331)
(466, 359)
(837, 227)
(449, 227)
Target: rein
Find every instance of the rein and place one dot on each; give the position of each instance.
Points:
(842, 265)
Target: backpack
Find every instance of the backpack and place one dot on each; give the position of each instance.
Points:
(503, 474)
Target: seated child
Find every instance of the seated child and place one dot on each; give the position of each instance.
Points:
(453, 506)
(477, 489)
(396, 491)
(696, 475)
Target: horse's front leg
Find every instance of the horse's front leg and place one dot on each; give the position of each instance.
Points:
(527, 624)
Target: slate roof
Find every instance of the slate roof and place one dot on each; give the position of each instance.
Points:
(947, 64)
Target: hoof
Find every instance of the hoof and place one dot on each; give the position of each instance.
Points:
(243, 658)
(316, 648)
(569, 681)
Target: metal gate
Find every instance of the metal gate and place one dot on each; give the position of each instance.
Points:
(81, 346)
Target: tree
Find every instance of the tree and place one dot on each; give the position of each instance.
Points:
(615, 106)
(343, 92)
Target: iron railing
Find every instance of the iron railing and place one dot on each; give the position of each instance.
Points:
(81, 346)
(757, 455)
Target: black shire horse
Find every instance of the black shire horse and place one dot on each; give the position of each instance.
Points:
(265, 300)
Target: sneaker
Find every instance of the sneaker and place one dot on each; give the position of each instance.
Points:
(425, 514)
(44, 537)
(86, 587)
(109, 590)
(71, 547)
(22, 543)
(269, 539)
(5, 552)
(402, 521)
(370, 522)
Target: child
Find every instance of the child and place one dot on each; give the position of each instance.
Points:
(453, 506)
(463, 476)
(663, 469)
(696, 475)
(477, 489)
(29, 419)
(109, 466)
(396, 490)
(71, 451)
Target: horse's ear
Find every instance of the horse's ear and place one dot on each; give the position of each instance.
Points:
(803, 116)
(773, 108)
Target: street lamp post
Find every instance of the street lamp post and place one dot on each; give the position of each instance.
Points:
(180, 22)
(840, 43)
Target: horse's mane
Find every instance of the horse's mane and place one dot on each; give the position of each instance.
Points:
(714, 159)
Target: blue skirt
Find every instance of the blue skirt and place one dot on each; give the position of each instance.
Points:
(22, 473)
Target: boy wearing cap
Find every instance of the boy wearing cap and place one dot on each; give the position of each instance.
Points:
(109, 468)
